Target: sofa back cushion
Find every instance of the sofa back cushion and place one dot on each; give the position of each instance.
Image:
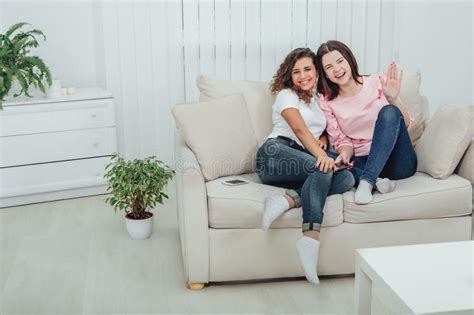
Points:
(445, 140)
(416, 105)
(220, 134)
(256, 94)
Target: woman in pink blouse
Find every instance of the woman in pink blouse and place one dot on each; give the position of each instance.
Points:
(366, 120)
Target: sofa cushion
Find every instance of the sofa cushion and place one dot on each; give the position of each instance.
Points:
(444, 141)
(220, 135)
(257, 96)
(242, 206)
(414, 102)
(417, 197)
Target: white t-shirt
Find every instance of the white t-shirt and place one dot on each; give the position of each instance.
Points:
(313, 116)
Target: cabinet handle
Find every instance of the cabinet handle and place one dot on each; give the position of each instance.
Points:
(93, 115)
(96, 144)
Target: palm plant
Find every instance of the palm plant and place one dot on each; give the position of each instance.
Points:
(16, 63)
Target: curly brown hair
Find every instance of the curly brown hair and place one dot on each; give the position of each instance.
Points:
(282, 78)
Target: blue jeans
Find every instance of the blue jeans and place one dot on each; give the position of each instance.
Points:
(392, 154)
(286, 164)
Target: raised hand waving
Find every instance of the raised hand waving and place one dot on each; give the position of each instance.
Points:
(391, 86)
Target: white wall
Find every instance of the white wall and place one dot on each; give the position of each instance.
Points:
(70, 50)
(437, 37)
(149, 52)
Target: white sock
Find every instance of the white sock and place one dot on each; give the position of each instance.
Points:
(308, 250)
(363, 194)
(275, 206)
(385, 185)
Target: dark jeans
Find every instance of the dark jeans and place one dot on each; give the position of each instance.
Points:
(286, 164)
(392, 154)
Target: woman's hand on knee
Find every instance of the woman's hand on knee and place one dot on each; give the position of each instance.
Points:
(325, 163)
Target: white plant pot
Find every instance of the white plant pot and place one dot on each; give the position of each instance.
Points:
(139, 229)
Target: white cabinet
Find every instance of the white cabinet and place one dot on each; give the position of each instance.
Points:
(53, 149)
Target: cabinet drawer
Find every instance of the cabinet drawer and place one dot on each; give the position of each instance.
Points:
(57, 146)
(38, 118)
(35, 179)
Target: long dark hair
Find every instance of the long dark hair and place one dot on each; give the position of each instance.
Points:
(282, 78)
(325, 86)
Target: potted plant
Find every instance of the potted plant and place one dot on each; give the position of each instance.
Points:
(136, 187)
(16, 63)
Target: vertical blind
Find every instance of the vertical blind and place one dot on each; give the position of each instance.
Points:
(154, 50)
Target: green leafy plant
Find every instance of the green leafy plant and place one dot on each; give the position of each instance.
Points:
(16, 63)
(137, 185)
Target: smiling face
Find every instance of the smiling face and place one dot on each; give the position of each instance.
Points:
(303, 74)
(337, 68)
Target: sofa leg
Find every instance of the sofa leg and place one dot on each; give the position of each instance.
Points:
(196, 286)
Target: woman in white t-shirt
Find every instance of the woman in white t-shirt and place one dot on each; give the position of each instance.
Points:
(294, 156)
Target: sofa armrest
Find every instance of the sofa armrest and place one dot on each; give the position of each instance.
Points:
(465, 168)
(192, 214)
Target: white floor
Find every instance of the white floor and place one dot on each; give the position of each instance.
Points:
(75, 257)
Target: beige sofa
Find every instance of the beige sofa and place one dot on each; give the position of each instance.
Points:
(219, 225)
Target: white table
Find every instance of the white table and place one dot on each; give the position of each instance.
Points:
(419, 279)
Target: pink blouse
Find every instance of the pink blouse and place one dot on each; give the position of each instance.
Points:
(351, 120)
